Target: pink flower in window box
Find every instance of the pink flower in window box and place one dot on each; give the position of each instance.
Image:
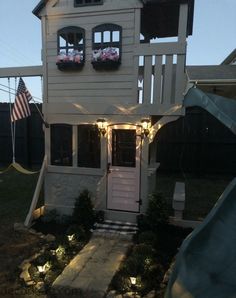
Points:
(61, 56)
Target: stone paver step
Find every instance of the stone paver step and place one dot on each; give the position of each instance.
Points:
(123, 228)
(92, 270)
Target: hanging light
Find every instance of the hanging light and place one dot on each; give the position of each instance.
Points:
(102, 125)
(146, 123)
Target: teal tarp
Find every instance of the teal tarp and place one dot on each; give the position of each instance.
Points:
(224, 109)
(206, 263)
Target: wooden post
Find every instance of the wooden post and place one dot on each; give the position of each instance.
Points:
(36, 193)
(144, 174)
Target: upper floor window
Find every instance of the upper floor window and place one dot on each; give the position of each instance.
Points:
(71, 48)
(107, 45)
(87, 2)
(61, 145)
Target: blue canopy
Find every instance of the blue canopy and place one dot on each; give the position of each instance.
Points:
(206, 263)
(224, 109)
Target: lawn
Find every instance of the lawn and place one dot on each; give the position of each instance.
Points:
(201, 192)
(16, 193)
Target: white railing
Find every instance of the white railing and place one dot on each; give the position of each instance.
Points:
(161, 73)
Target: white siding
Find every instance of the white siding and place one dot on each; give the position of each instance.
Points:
(88, 83)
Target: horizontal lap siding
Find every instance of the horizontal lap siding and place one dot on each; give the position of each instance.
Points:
(88, 83)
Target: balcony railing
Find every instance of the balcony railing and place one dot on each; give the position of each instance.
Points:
(161, 73)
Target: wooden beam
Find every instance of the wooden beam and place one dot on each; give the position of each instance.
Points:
(183, 22)
(104, 108)
(165, 48)
(22, 71)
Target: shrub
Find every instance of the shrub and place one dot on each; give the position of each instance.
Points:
(51, 216)
(99, 216)
(83, 213)
(157, 212)
(147, 237)
(156, 215)
(78, 231)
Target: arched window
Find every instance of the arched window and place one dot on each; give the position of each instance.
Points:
(106, 46)
(71, 48)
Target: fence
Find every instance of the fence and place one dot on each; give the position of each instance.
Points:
(197, 143)
(29, 143)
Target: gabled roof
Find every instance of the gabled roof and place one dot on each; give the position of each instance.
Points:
(39, 7)
(230, 58)
(159, 17)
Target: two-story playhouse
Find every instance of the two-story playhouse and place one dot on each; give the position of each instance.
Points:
(107, 90)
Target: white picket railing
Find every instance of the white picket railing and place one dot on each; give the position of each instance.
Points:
(161, 73)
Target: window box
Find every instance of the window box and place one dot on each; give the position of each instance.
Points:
(106, 65)
(70, 65)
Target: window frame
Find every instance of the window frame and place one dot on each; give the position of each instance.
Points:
(88, 4)
(53, 148)
(97, 162)
(76, 46)
(102, 45)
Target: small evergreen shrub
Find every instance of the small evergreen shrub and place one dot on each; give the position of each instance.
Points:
(78, 231)
(51, 216)
(156, 215)
(157, 212)
(147, 237)
(99, 216)
(83, 213)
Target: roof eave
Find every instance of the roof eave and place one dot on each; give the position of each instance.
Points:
(38, 8)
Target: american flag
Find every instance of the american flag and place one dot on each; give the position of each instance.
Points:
(21, 107)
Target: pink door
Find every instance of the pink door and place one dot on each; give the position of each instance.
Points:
(123, 168)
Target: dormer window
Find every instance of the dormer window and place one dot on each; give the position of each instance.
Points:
(71, 48)
(106, 46)
(87, 2)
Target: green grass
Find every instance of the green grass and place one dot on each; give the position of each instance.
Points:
(201, 192)
(16, 192)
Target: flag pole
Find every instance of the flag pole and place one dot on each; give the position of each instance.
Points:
(41, 115)
(12, 130)
(35, 103)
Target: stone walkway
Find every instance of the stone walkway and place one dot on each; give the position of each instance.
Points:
(89, 274)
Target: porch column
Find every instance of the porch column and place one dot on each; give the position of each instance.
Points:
(144, 175)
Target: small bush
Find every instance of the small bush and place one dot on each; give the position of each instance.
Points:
(147, 237)
(83, 213)
(157, 212)
(99, 216)
(78, 231)
(156, 215)
(51, 216)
